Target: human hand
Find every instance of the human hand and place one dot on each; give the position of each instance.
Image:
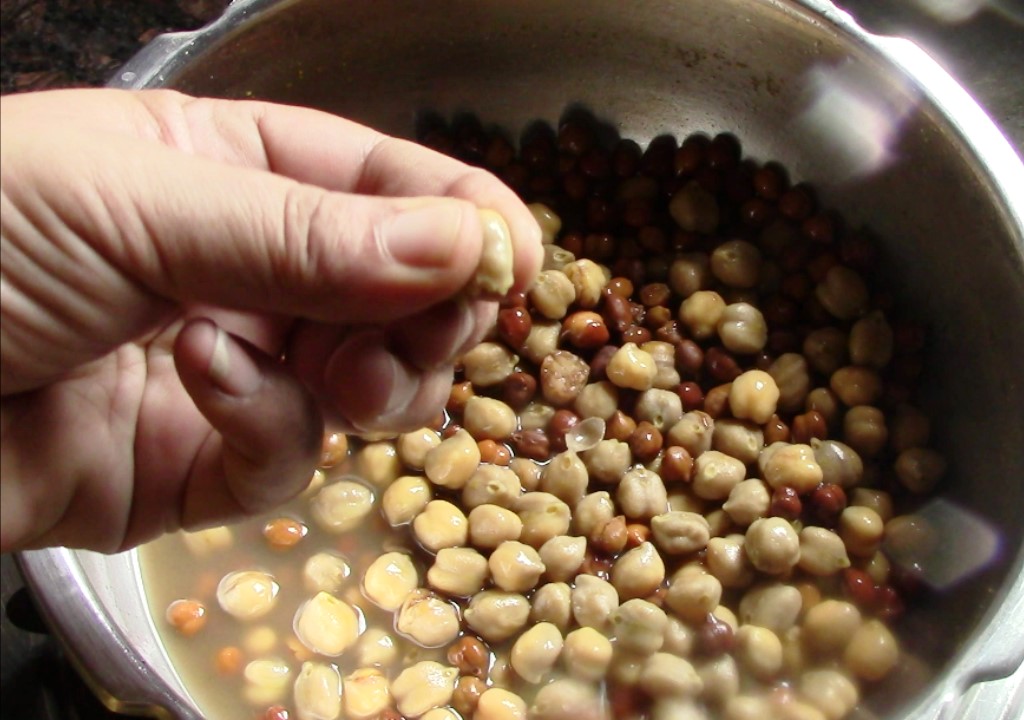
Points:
(161, 253)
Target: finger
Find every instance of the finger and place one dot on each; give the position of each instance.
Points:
(439, 335)
(370, 388)
(268, 426)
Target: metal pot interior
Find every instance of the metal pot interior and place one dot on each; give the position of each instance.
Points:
(793, 85)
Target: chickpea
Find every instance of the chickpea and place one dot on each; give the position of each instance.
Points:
(536, 651)
(693, 593)
(597, 400)
(588, 280)
(528, 471)
(378, 464)
(607, 461)
(341, 506)
(413, 447)
(284, 533)
(496, 616)
(422, 687)
(694, 432)
(566, 698)
(638, 572)
(389, 579)
(491, 485)
(740, 439)
(317, 692)
(488, 364)
(488, 419)
(664, 354)
(563, 376)
(459, 572)
(405, 498)
(206, 542)
(592, 513)
(548, 221)
(830, 691)
(552, 603)
(562, 557)
(542, 340)
(565, 477)
(334, 449)
(454, 461)
(375, 648)
(500, 704)
(872, 651)
(856, 385)
(878, 500)
(442, 713)
(259, 640)
(822, 552)
(715, 474)
(587, 654)
(701, 313)
(840, 464)
(186, 616)
(680, 638)
(593, 601)
(679, 532)
(829, 625)
(727, 560)
(552, 294)
(754, 396)
(247, 594)
(908, 428)
(826, 349)
(630, 367)
(721, 679)
(491, 525)
(689, 273)
(326, 625)
(736, 263)
(772, 545)
(665, 674)
(742, 329)
(536, 416)
(864, 430)
(427, 620)
(861, 530)
(661, 408)
(544, 516)
(824, 402)
(759, 651)
(919, 469)
(266, 680)
(641, 494)
(515, 566)
(677, 708)
(748, 501)
(793, 379)
(639, 627)
(441, 525)
(494, 276)
(871, 341)
(775, 606)
(790, 465)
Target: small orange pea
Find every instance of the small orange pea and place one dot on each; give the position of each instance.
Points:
(334, 449)
(283, 533)
(228, 660)
(187, 616)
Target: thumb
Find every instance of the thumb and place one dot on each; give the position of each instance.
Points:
(193, 229)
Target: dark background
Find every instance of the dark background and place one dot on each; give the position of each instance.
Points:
(81, 43)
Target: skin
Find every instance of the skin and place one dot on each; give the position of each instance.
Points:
(162, 253)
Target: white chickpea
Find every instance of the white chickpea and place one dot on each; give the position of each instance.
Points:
(736, 263)
(630, 367)
(366, 694)
(566, 477)
(715, 474)
(389, 579)
(552, 294)
(536, 651)
(413, 446)
(327, 625)
(375, 648)
(325, 571)
(919, 469)
(694, 432)
(341, 506)
(542, 340)
(266, 680)
(741, 439)
(422, 687)
(544, 516)
(497, 615)
(536, 415)
(843, 293)
(593, 601)
(641, 494)
(856, 385)
(664, 355)
(607, 461)
(565, 698)
(759, 651)
(772, 545)
(700, 313)
(661, 408)
(831, 691)
(562, 557)
(792, 377)
(587, 654)
(775, 606)
(822, 552)
(491, 525)
(792, 465)
(317, 692)
(727, 560)
(639, 627)
(597, 399)
(878, 500)
(638, 572)
(665, 674)
(548, 221)
(865, 430)
(488, 419)
(489, 363)
(743, 330)
(689, 273)
(871, 341)
(441, 525)
(491, 485)
(405, 498)
(552, 603)
(826, 349)
(872, 652)
(515, 566)
(459, 572)
(693, 593)
(588, 280)
(829, 625)
(247, 594)
(721, 679)
(378, 464)
(754, 396)
(748, 501)
(861, 530)
(528, 471)
(452, 462)
(427, 619)
(680, 532)
(840, 464)
(499, 704)
(680, 638)
(206, 542)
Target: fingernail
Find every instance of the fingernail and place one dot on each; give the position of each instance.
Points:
(423, 236)
(231, 368)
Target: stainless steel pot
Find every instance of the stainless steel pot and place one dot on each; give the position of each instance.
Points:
(885, 134)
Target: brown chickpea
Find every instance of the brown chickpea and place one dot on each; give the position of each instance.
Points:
(186, 616)
(334, 450)
(585, 330)
(284, 533)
